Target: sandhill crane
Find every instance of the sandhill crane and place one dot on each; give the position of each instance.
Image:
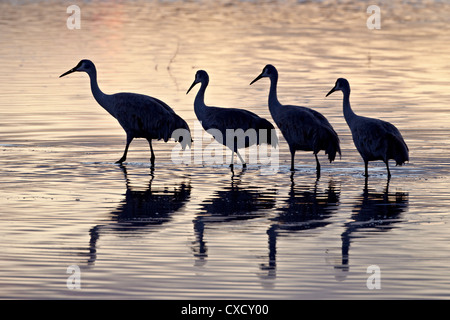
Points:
(139, 115)
(223, 119)
(374, 139)
(303, 128)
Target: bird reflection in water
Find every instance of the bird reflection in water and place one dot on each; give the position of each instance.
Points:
(141, 210)
(238, 201)
(375, 211)
(305, 208)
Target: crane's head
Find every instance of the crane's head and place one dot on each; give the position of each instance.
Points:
(268, 71)
(83, 65)
(200, 77)
(341, 85)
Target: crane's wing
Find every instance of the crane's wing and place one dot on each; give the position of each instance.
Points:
(308, 130)
(224, 119)
(147, 117)
(376, 139)
(297, 124)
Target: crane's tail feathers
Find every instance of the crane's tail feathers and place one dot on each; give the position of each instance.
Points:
(397, 149)
(331, 143)
(182, 133)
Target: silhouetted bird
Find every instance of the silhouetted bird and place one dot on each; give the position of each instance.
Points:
(303, 128)
(222, 119)
(374, 139)
(139, 115)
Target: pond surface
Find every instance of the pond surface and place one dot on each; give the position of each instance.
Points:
(200, 231)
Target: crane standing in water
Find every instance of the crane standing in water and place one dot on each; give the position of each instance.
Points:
(303, 128)
(223, 119)
(139, 115)
(374, 139)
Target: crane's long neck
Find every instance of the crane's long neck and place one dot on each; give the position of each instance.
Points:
(349, 115)
(199, 102)
(274, 104)
(103, 99)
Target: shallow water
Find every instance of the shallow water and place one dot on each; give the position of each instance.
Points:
(200, 231)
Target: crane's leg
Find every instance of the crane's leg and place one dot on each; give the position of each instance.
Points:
(244, 165)
(124, 157)
(292, 160)
(317, 166)
(152, 157)
(366, 171)
(232, 161)
(387, 167)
